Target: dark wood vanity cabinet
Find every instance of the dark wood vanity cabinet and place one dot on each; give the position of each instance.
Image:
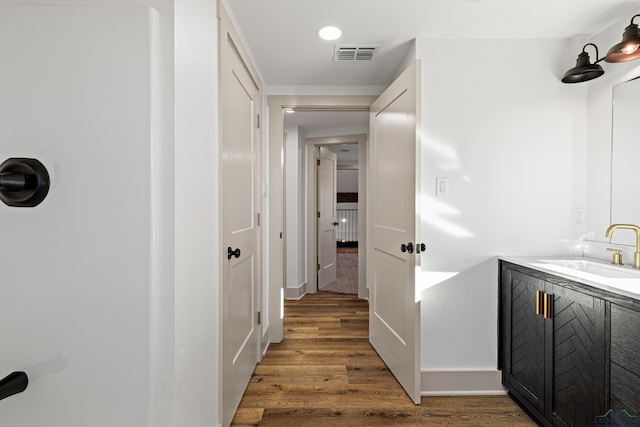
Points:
(625, 359)
(552, 347)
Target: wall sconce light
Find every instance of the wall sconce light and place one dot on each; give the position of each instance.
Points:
(584, 69)
(629, 48)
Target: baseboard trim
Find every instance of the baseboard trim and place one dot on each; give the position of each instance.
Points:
(461, 382)
(295, 293)
(264, 343)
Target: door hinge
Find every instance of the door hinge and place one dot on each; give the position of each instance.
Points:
(259, 318)
(318, 267)
(257, 218)
(318, 162)
(258, 120)
(318, 214)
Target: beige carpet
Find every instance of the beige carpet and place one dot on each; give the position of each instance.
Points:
(346, 273)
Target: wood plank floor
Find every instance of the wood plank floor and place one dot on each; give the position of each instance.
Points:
(325, 373)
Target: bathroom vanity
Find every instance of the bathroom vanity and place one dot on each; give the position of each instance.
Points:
(569, 345)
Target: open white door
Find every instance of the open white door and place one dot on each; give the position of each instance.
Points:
(327, 186)
(239, 174)
(394, 323)
(81, 91)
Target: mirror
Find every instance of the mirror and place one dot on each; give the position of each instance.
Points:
(625, 159)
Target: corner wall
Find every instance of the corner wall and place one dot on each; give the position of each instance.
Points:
(511, 138)
(197, 251)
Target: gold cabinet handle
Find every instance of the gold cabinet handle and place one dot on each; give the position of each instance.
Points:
(539, 302)
(548, 309)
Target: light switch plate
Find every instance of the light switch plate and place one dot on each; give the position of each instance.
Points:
(442, 186)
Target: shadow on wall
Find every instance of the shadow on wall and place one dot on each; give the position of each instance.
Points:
(459, 317)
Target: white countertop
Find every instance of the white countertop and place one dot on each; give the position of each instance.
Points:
(622, 280)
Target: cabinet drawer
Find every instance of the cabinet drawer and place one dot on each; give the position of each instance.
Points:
(625, 338)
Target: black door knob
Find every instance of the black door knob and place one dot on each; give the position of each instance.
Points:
(335, 223)
(13, 383)
(23, 182)
(407, 248)
(420, 247)
(232, 253)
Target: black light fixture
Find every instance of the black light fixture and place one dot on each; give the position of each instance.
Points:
(629, 48)
(584, 69)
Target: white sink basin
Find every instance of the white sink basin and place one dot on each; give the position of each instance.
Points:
(621, 279)
(591, 267)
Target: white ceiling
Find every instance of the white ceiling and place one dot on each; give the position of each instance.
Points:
(281, 34)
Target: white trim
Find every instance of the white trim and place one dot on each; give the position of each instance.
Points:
(340, 90)
(461, 382)
(266, 347)
(295, 293)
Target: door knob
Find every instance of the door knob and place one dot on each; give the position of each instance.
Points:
(232, 253)
(14, 383)
(407, 248)
(336, 223)
(420, 247)
(23, 182)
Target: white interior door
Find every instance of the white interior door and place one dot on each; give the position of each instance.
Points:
(240, 103)
(394, 324)
(78, 285)
(327, 193)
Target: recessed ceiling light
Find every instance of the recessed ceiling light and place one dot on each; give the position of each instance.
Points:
(329, 33)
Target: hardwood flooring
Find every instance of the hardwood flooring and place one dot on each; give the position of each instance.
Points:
(325, 373)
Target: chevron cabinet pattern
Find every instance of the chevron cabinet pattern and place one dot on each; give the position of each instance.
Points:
(553, 347)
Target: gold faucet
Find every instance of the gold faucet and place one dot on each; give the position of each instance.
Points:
(636, 255)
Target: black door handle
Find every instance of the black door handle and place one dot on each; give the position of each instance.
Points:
(336, 223)
(407, 248)
(420, 247)
(14, 383)
(232, 253)
(23, 182)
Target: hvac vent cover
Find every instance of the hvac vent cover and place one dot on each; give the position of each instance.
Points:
(355, 53)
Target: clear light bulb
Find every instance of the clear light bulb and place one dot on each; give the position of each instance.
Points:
(630, 48)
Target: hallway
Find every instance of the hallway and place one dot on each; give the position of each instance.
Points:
(325, 373)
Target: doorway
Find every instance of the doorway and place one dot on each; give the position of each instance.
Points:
(312, 207)
(278, 106)
(343, 190)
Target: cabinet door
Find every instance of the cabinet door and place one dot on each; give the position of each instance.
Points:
(576, 392)
(523, 337)
(625, 362)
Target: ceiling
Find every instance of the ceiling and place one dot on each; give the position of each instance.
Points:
(281, 34)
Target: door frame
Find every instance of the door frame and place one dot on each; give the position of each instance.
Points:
(312, 207)
(227, 34)
(277, 221)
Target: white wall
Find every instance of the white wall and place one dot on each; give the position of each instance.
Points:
(197, 252)
(347, 181)
(292, 208)
(599, 127)
(511, 138)
(302, 208)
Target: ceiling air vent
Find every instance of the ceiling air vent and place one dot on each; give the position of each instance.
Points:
(355, 53)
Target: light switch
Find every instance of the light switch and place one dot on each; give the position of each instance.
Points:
(579, 215)
(442, 185)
